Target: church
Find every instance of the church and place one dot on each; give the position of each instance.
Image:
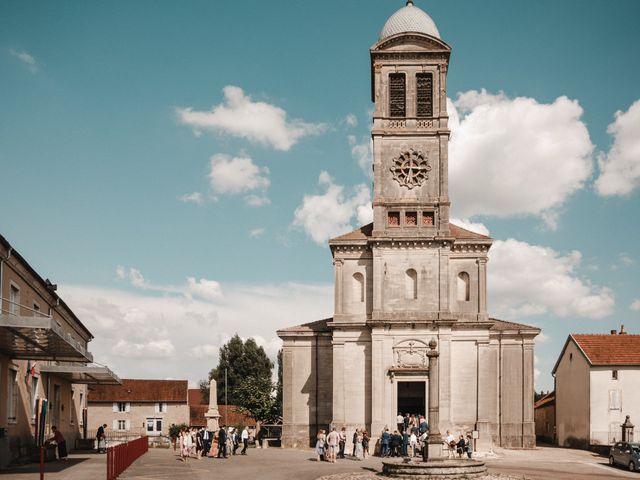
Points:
(409, 278)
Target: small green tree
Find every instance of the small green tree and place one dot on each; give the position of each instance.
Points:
(278, 402)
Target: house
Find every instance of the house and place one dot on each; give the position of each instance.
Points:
(544, 415)
(43, 356)
(138, 407)
(597, 383)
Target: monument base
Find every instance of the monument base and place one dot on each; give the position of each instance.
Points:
(438, 469)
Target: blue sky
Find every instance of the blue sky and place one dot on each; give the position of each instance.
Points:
(96, 151)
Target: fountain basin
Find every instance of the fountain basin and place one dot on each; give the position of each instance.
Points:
(437, 469)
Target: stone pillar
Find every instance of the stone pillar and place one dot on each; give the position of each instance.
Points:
(213, 415)
(338, 286)
(482, 290)
(434, 440)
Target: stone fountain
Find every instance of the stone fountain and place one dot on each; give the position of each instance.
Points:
(433, 464)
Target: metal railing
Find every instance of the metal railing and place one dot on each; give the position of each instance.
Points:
(120, 457)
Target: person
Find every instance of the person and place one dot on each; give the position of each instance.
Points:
(461, 446)
(229, 450)
(423, 440)
(355, 437)
(185, 445)
(222, 442)
(245, 440)
(451, 443)
(320, 445)
(199, 443)
(333, 439)
(206, 442)
(235, 440)
(385, 439)
(405, 442)
(424, 426)
(365, 443)
(60, 442)
(101, 438)
(400, 421)
(396, 441)
(413, 443)
(469, 445)
(405, 422)
(358, 445)
(342, 442)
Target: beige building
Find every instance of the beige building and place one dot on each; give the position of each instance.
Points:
(43, 355)
(410, 277)
(597, 383)
(544, 413)
(138, 407)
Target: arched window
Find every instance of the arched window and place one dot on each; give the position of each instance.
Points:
(463, 287)
(358, 287)
(397, 95)
(411, 284)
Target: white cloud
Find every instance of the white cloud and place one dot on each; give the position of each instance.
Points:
(206, 289)
(351, 120)
(26, 58)
(203, 288)
(144, 327)
(257, 232)
(515, 156)
(330, 214)
(620, 167)
(362, 153)
(235, 175)
(635, 305)
(257, 200)
(257, 122)
(529, 280)
(194, 197)
(472, 226)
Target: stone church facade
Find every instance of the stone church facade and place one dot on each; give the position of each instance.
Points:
(409, 277)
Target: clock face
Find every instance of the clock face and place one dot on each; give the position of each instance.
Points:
(410, 168)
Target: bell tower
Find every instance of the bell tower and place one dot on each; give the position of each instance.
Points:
(410, 132)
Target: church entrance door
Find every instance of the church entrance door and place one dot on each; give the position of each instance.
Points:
(411, 398)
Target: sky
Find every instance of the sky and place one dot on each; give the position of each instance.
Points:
(177, 167)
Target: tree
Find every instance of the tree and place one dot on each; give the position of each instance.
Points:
(242, 360)
(255, 397)
(278, 402)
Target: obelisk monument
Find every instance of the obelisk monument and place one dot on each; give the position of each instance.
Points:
(213, 414)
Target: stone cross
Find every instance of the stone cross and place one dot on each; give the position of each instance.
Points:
(213, 415)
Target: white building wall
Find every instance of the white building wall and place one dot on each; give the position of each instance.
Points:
(611, 401)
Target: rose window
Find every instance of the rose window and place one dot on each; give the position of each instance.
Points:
(410, 169)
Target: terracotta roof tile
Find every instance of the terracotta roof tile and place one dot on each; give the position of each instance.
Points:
(194, 397)
(365, 232)
(548, 399)
(610, 349)
(140, 391)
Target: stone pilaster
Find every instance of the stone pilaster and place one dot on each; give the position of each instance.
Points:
(482, 290)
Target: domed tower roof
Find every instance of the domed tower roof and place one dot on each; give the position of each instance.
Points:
(409, 19)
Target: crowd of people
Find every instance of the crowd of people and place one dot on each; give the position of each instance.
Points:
(407, 440)
(200, 442)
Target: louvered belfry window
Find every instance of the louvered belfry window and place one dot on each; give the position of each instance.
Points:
(397, 95)
(424, 87)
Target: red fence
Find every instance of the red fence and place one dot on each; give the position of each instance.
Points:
(121, 456)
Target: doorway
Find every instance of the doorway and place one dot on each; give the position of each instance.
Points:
(411, 398)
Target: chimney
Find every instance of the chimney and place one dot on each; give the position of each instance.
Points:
(614, 332)
(622, 332)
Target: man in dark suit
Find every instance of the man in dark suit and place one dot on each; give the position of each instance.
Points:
(222, 442)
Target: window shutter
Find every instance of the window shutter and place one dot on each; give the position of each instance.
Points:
(127, 408)
(164, 407)
(115, 406)
(127, 424)
(157, 407)
(424, 87)
(397, 95)
(114, 425)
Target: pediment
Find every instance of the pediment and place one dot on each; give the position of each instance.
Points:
(410, 42)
